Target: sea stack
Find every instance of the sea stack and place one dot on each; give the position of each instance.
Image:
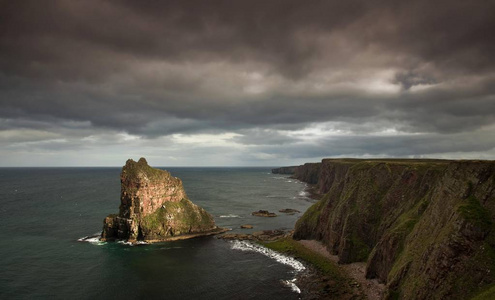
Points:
(154, 207)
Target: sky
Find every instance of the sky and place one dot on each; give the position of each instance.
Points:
(244, 83)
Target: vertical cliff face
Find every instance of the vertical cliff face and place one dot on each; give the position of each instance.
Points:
(424, 227)
(154, 206)
(308, 172)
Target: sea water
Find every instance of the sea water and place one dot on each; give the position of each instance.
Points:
(44, 211)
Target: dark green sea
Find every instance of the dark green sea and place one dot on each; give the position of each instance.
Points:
(44, 211)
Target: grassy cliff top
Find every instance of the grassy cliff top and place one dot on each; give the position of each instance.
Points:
(141, 169)
(401, 160)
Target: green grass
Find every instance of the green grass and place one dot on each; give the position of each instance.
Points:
(360, 250)
(185, 216)
(475, 213)
(141, 167)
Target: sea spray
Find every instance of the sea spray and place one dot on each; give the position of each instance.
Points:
(93, 239)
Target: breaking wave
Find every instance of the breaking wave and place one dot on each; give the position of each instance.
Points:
(229, 216)
(133, 244)
(303, 194)
(286, 260)
(292, 285)
(93, 239)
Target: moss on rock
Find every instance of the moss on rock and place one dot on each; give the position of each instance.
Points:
(154, 206)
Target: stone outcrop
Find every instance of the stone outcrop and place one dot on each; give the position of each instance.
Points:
(263, 213)
(424, 227)
(155, 207)
(289, 211)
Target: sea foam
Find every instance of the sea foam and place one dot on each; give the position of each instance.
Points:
(93, 239)
(229, 216)
(303, 194)
(286, 260)
(292, 285)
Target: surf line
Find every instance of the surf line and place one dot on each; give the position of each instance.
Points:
(286, 260)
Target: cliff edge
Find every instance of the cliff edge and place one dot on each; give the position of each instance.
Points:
(424, 227)
(155, 207)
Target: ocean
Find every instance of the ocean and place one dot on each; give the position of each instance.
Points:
(44, 211)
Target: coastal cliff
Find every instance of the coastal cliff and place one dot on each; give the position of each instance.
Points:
(424, 227)
(155, 207)
(284, 170)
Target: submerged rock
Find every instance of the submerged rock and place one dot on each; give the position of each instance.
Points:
(155, 207)
(289, 211)
(247, 226)
(263, 213)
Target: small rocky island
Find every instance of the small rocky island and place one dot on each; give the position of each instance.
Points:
(154, 207)
(263, 213)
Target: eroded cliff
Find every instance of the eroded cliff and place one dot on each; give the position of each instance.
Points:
(284, 170)
(424, 227)
(154, 207)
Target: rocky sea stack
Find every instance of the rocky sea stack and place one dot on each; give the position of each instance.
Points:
(154, 207)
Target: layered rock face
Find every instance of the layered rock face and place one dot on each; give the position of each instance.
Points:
(424, 227)
(154, 207)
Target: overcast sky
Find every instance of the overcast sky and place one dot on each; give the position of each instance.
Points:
(244, 83)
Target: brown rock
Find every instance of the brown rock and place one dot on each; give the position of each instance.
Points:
(289, 211)
(263, 213)
(247, 226)
(154, 207)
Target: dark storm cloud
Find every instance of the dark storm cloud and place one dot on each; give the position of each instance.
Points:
(388, 146)
(155, 68)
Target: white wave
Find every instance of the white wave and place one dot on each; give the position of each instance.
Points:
(132, 244)
(94, 239)
(229, 216)
(288, 181)
(286, 260)
(291, 283)
(303, 194)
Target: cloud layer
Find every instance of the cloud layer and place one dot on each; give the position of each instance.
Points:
(244, 82)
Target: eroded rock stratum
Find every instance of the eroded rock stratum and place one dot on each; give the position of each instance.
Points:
(155, 207)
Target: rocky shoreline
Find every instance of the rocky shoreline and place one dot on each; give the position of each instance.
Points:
(313, 283)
